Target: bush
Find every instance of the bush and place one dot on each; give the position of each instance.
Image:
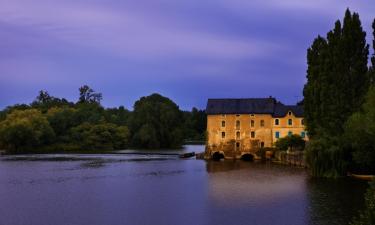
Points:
(325, 158)
(292, 142)
(23, 130)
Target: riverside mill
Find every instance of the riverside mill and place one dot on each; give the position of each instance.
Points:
(238, 128)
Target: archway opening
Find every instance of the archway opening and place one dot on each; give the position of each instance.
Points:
(247, 157)
(217, 156)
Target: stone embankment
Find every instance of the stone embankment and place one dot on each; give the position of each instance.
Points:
(294, 158)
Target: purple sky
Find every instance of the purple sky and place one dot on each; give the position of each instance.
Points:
(186, 50)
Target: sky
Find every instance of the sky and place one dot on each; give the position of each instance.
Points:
(188, 51)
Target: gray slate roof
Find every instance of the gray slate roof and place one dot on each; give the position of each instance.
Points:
(251, 106)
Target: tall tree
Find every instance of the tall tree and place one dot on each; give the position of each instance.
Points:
(88, 95)
(337, 82)
(337, 78)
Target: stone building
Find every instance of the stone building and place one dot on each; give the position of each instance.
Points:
(240, 127)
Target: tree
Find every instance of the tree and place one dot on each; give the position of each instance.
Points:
(88, 95)
(156, 123)
(337, 78)
(45, 101)
(103, 136)
(195, 122)
(292, 142)
(62, 119)
(337, 82)
(23, 130)
(360, 134)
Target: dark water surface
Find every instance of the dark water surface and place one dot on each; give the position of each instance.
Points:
(164, 190)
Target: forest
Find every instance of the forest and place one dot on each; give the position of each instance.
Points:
(51, 124)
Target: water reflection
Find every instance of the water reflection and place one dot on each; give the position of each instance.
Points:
(334, 202)
(164, 190)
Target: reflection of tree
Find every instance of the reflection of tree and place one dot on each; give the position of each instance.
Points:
(334, 202)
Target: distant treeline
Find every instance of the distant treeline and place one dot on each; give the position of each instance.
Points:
(51, 124)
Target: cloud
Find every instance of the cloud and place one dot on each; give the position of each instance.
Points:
(125, 32)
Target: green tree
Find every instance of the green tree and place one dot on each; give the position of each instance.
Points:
(103, 136)
(337, 78)
(24, 130)
(62, 119)
(88, 95)
(337, 82)
(360, 134)
(292, 142)
(195, 122)
(156, 123)
(45, 101)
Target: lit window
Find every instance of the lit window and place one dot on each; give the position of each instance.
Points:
(303, 134)
(276, 121)
(290, 122)
(277, 134)
(222, 134)
(238, 124)
(290, 133)
(252, 123)
(262, 123)
(252, 134)
(238, 135)
(222, 123)
(302, 121)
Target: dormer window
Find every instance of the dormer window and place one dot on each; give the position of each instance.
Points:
(289, 113)
(252, 115)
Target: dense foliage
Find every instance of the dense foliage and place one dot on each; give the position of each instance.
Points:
(292, 142)
(51, 124)
(360, 135)
(156, 122)
(338, 79)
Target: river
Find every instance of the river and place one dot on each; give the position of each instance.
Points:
(131, 189)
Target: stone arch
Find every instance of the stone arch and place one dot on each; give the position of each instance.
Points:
(217, 155)
(247, 156)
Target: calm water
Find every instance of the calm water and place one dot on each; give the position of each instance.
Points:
(165, 190)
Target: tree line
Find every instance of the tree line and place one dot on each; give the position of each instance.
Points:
(51, 124)
(339, 101)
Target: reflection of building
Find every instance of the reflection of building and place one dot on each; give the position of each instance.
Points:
(236, 127)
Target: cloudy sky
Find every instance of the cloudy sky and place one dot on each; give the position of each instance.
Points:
(186, 50)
